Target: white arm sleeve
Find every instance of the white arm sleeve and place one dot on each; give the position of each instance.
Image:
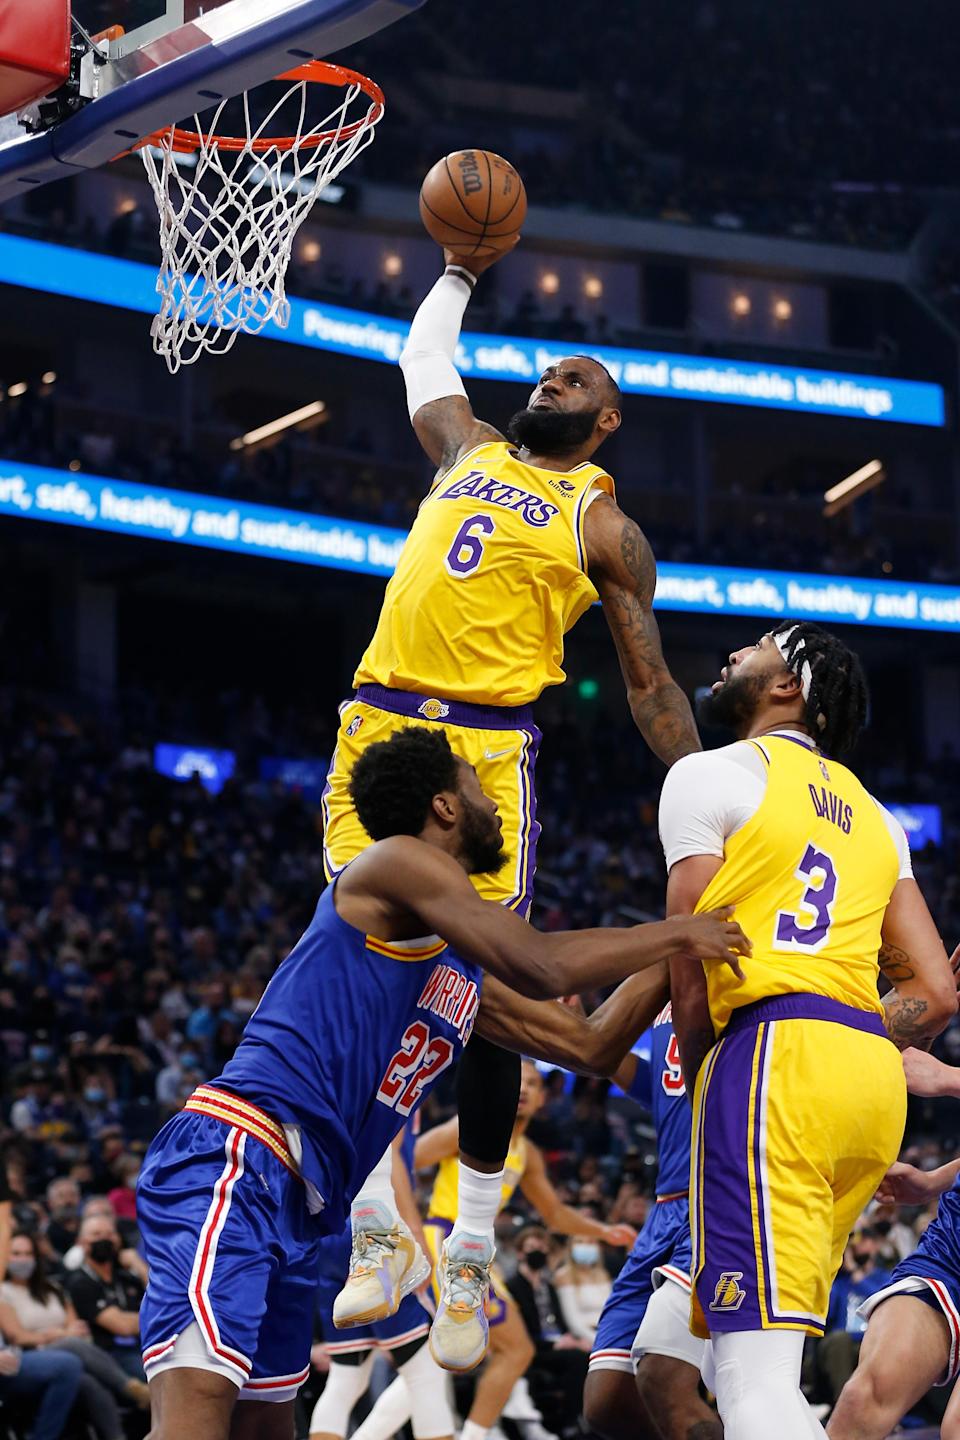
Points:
(427, 356)
(708, 796)
(899, 837)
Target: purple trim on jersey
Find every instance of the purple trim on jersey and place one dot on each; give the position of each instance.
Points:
(808, 745)
(455, 712)
(805, 1007)
(529, 827)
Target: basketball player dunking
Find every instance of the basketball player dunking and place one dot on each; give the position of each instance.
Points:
(800, 1100)
(515, 540)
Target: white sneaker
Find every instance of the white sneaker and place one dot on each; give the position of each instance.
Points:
(386, 1263)
(459, 1333)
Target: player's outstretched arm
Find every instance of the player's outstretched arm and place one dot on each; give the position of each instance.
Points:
(622, 567)
(442, 1142)
(410, 877)
(562, 1035)
(441, 414)
(688, 984)
(912, 957)
(906, 1185)
(562, 1219)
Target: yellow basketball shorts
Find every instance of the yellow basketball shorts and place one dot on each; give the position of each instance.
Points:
(500, 742)
(798, 1112)
(499, 1300)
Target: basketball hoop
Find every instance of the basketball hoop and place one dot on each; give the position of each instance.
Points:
(227, 224)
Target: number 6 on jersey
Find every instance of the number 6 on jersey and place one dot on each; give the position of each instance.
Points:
(466, 552)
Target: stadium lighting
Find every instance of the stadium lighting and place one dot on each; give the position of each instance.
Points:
(393, 265)
(867, 478)
(593, 287)
(782, 310)
(741, 304)
(306, 415)
(49, 377)
(17, 390)
(310, 251)
(549, 282)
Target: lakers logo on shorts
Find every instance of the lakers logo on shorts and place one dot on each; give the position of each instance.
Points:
(729, 1294)
(434, 710)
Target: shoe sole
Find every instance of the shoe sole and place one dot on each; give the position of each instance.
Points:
(413, 1278)
(460, 1368)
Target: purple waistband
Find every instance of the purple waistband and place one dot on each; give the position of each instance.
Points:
(805, 1007)
(454, 712)
(440, 1222)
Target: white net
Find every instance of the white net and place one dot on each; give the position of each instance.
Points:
(229, 220)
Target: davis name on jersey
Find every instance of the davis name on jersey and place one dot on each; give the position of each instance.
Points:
(350, 1034)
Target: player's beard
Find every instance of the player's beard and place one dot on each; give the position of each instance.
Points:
(481, 841)
(544, 431)
(734, 705)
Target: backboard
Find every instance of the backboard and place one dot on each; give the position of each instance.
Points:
(174, 58)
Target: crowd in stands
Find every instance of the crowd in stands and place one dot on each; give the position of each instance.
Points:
(140, 919)
(740, 115)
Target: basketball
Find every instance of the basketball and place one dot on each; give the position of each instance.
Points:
(473, 202)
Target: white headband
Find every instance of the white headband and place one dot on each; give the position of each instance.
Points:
(803, 672)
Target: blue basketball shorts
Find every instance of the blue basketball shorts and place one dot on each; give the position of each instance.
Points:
(232, 1249)
(932, 1274)
(662, 1252)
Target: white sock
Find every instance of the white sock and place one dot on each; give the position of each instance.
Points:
(758, 1377)
(378, 1187)
(478, 1200)
(390, 1412)
(472, 1431)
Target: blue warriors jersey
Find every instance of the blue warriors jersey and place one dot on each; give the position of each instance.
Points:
(347, 1039)
(659, 1088)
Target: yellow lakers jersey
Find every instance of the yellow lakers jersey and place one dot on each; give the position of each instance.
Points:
(810, 875)
(444, 1197)
(492, 576)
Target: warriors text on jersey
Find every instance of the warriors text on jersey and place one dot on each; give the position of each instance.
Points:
(349, 1035)
(492, 576)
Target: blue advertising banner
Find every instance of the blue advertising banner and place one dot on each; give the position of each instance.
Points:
(130, 285)
(90, 502)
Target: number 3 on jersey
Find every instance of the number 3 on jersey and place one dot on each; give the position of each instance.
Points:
(807, 928)
(421, 1058)
(671, 1076)
(466, 552)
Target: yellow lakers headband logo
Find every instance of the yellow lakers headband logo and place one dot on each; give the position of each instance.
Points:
(729, 1294)
(434, 710)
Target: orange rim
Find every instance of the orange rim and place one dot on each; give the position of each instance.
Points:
(317, 72)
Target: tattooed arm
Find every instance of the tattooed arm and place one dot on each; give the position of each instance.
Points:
(912, 958)
(622, 567)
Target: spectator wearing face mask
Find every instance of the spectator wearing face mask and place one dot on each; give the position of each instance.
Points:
(582, 1285)
(108, 1296)
(63, 1207)
(35, 1315)
(560, 1360)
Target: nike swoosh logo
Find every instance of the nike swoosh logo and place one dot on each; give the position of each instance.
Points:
(496, 754)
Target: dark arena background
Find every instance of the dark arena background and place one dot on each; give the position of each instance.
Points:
(752, 211)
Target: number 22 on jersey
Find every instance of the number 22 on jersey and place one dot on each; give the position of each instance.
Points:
(420, 1059)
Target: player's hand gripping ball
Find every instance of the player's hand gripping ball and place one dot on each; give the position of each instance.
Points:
(473, 203)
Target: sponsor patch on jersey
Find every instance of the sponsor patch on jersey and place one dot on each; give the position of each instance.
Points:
(434, 710)
(729, 1294)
